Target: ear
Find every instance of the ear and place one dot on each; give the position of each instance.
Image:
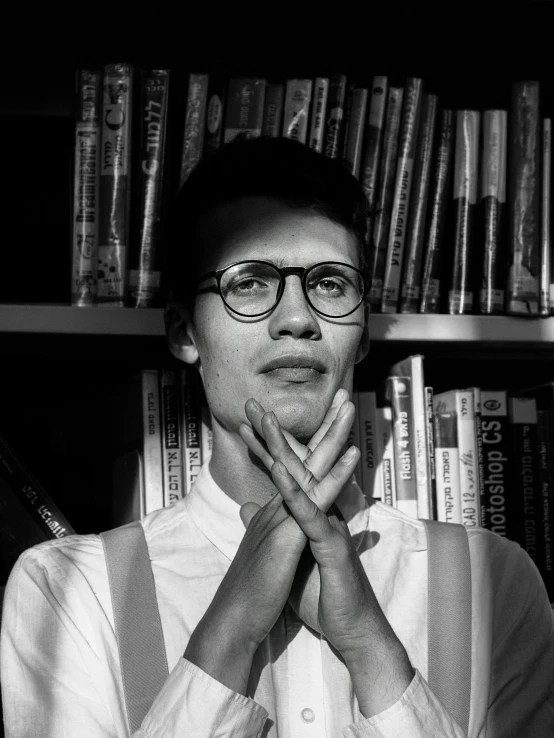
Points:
(363, 346)
(179, 334)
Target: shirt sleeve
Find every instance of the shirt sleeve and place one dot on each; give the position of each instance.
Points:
(60, 677)
(521, 699)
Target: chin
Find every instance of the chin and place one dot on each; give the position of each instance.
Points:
(301, 419)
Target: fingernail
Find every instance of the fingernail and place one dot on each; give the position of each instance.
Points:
(342, 412)
(349, 455)
(257, 404)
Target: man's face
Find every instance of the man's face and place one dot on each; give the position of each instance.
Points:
(235, 355)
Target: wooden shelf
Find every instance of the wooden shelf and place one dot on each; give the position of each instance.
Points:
(105, 321)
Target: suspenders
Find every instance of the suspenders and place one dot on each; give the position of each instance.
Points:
(141, 646)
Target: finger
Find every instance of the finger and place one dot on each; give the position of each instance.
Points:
(280, 450)
(321, 460)
(251, 439)
(247, 512)
(341, 395)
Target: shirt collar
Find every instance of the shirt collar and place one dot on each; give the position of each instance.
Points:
(218, 516)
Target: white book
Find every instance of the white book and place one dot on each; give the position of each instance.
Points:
(171, 435)
(385, 452)
(449, 507)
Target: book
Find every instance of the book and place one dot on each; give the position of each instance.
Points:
(206, 435)
(355, 130)
(245, 108)
(273, 110)
(461, 295)
(493, 207)
(334, 116)
(415, 237)
(447, 467)
(432, 277)
(523, 293)
(412, 367)
(191, 429)
(319, 108)
(479, 446)
(145, 254)
(128, 485)
(172, 462)
(367, 414)
(411, 111)
(545, 503)
(496, 455)
(546, 194)
(400, 389)
(135, 407)
(86, 181)
(195, 122)
(298, 96)
(215, 111)
(115, 184)
(383, 202)
(385, 446)
(430, 441)
(372, 144)
(462, 403)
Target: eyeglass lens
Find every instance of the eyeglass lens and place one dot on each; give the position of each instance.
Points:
(252, 288)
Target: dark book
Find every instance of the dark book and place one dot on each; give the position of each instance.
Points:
(191, 428)
(319, 108)
(430, 442)
(411, 112)
(334, 116)
(400, 390)
(493, 211)
(273, 110)
(461, 294)
(445, 427)
(523, 289)
(145, 254)
(383, 202)
(215, 111)
(497, 453)
(195, 122)
(415, 238)
(86, 182)
(432, 277)
(372, 143)
(298, 97)
(172, 462)
(245, 108)
(479, 446)
(355, 132)
(546, 193)
(115, 184)
(545, 503)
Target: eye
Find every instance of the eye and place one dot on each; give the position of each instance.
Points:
(247, 285)
(330, 286)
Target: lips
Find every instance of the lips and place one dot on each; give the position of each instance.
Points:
(294, 361)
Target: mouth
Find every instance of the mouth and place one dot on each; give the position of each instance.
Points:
(295, 368)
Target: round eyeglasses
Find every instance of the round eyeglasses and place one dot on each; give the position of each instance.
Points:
(253, 288)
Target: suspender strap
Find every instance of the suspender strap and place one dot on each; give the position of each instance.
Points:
(449, 618)
(138, 626)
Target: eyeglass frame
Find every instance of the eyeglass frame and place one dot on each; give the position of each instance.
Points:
(283, 273)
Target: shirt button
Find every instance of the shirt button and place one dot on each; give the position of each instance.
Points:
(308, 715)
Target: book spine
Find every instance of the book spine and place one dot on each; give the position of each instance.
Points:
(371, 482)
(496, 452)
(431, 280)
(385, 192)
(430, 436)
(467, 455)
(546, 194)
(480, 452)
(273, 110)
(152, 442)
(449, 508)
(461, 298)
(215, 111)
(524, 182)
(493, 207)
(524, 525)
(334, 116)
(356, 127)
(546, 495)
(298, 97)
(385, 447)
(348, 100)
(372, 145)
(31, 494)
(403, 438)
(191, 430)
(195, 121)
(402, 191)
(145, 255)
(115, 184)
(319, 108)
(172, 458)
(415, 238)
(86, 181)
(245, 108)
(354, 439)
(207, 435)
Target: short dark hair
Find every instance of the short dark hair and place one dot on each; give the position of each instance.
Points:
(280, 168)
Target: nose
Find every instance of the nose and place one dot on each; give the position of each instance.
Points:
(293, 316)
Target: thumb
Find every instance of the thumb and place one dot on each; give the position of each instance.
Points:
(247, 512)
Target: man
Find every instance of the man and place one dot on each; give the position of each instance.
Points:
(284, 614)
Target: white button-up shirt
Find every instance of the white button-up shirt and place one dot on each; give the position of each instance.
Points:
(59, 660)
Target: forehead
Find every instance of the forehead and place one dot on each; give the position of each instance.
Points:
(264, 228)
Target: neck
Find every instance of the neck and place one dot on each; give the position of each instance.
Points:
(240, 474)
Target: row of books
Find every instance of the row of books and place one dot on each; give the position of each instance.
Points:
(474, 456)
(446, 233)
